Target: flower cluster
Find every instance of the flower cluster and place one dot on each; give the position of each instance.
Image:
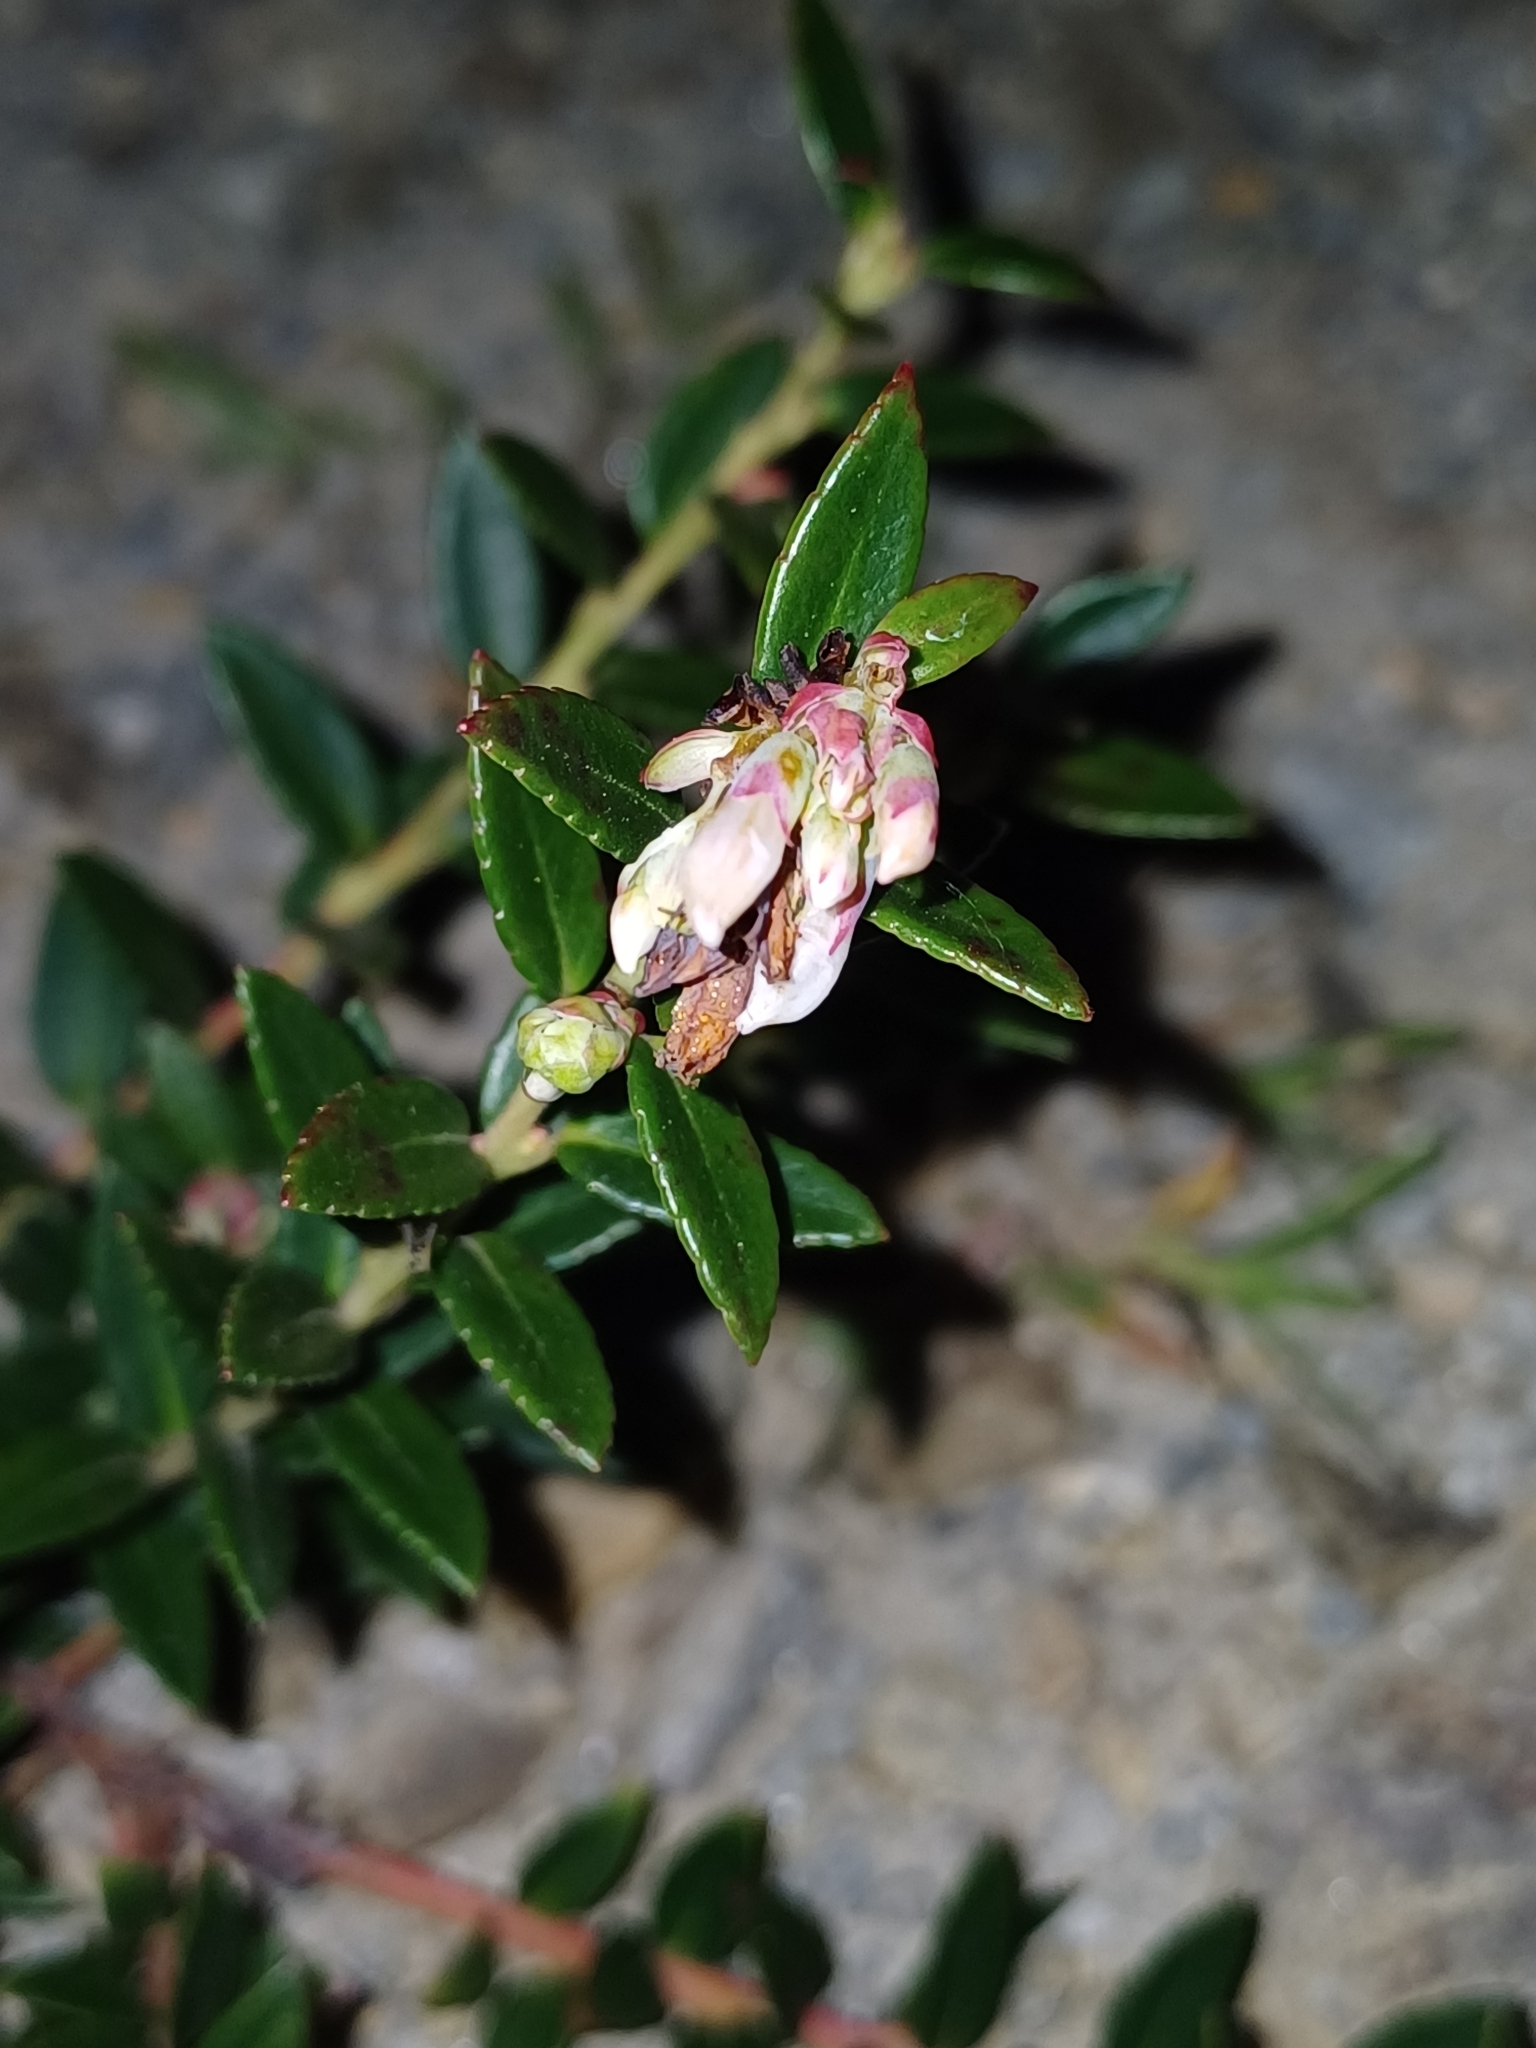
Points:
(748, 905)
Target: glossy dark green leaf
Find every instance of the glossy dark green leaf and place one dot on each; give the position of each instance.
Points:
(710, 1894)
(622, 1988)
(527, 2012)
(973, 929)
(314, 750)
(1453, 2023)
(300, 1056)
(224, 1951)
(111, 956)
(1106, 618)
(394, 1146)
(405, 1468)
(1133, 789)
(962, 420)
(564, 1225)
(950, 623)
(248, 1517)
(543, 882)
(326, 1251)
(1183, 1994)
(995, 261)
(518, 1323)
(466, 1976)
(710, 1176)
(279, 1330)
(981, 1928)
(134, 1896)
(825, 1211)
(273, 2013)
(664, 689)
(696, 424)
(418, 1337)
(553, 506)
(792, 1952)
(485, 571)
(604, 1155)
(192, 1100)
(838, 126)
(503, 1070)
(42, 1246)
(367, 1027)
(574, 756)
(128, 1364)
(156, 1583)
(854, 546)
(170, 1300)
(588, 1855)
(376, 1564)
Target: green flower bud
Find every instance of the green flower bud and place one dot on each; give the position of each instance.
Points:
(567, 1046)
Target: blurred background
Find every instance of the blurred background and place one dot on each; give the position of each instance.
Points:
(1098, 1606)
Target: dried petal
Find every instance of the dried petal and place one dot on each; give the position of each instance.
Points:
(704, 1026)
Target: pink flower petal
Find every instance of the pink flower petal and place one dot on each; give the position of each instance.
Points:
(831, 856)
(821, 950)
(906, 828)
(739, 847)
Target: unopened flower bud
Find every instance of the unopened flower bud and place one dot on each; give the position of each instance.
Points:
(567, 1046)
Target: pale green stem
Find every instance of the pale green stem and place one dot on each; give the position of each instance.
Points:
(516, 1142)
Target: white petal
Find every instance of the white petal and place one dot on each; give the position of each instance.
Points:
(688, 758)
(821, 949)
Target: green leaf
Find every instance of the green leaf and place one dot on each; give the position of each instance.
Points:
(854, 546)
(825, 1211)
(950, 623)
(973, 929)
(405, 1468)
(838, 127)
(485, 572)
(553, 506)
(156, 1584)
(300, 1056)
(710, 1894)
(792, 1952)
(1133, 789)
(274, 2013)
(94, 1981)
(995, 261)
(44, 1380)
(527, 2012)
(574, 756)
(503, 1070)
(588, 1855)
(664, 689)
(42, 1244)
(171, 1299)
(962, 420)
(622, 1988)
(134, 1896)
(1106, 618)
(1183, 1994)
(279, 1330)
(60, 1484)
(192, 1101)
(466, 1976)
(519, 1324)
(111, 956)
(711, 1179)
(224, 1951)
(1368, 1185)
(543, 881)
(750, 536)
(1452, 2023)
(604, 1155)
(696, 425)
(982, 1926)
(313, 749)
(1010, 1033)
(250, 1523)
(366, 1026)
(564, 1225)
(325, 1251)
(394, 1146)
(375, 1562)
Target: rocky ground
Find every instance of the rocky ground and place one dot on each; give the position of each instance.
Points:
(1183, 1624)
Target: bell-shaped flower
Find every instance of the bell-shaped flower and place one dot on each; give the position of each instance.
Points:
(567, 1046)
(742, 834)
(906, 796)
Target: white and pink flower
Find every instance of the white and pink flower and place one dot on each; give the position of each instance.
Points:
(749, 904)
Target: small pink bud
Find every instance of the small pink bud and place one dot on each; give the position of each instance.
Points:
(906, 828)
